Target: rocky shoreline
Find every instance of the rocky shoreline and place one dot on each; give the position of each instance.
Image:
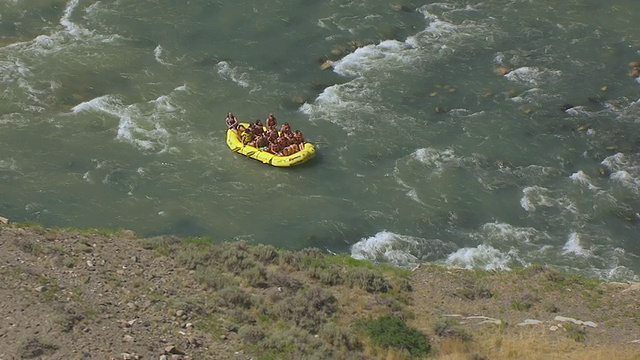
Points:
(74, 294)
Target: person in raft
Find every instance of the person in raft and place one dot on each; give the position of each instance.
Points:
(271, 122)
(231, 121)
(244, 135)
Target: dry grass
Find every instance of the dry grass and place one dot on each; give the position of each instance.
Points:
(615, 309)
(534, 344)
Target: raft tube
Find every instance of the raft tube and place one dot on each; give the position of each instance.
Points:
(300, 157)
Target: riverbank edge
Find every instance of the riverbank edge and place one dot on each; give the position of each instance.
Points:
(108, 293)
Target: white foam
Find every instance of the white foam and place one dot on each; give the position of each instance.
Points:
(163, 102)
(574, 246)
(615, 162)
(8, 164)
(501, 233)
(386, 246)
(534, 196)
(618, 273)
(437, 158)
(87, 177)
(413, 195)
(439, 28)
(388, 53)
(582, 178)
(157, 52)
(626, 179)
(182, 88)
(400, 250)
(442, 37)
(106, 103)
(71, 27)
(127, 131)
(140, 125)
(623, 170)
(235, 74)
(532, 75)
(337, 102)
(481, 257)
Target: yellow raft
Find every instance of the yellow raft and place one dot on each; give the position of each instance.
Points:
(300, 157)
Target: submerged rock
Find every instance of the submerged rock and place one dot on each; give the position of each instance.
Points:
(298, 100)
(326, 65)
(567, 106)
(502, 70)
(400, 7)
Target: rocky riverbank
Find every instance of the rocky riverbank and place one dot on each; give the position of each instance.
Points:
(70, 294)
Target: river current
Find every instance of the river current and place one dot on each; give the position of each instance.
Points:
(480, 134)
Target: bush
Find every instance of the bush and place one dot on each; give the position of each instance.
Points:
(575, 332)
(389, 331)
(33, 347)
(191, 257)
(405, 285)
(340, 337)
(293, 259)
(368, 280)
(251, 334)
(450, 328)
(295, 343)
(29, 246)
(236, 259)
(327, 276)
(256, 276)
(266, 254)
(521, 305)
(232, 297)
(308, 309)
(284, 281)
(213, 278)
(160, 242)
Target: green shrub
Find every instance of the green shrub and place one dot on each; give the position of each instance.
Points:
(293, 259)
(367, 279)
(521, 305)
(160, 243)
(251, 334)
(405, 285)
(68, 320)
(256, 276)
(313, 254)
(294, 343)
(69, 262)
(575, 332)
(283, 281)
(29, 246)
(554, 276)
(340, 337)
(451, 328)
(213, 278)
(234, 296)
(266, 254)
(236, 259)
(191, 257)
(389, 331)
(327, 276)
(309, 309)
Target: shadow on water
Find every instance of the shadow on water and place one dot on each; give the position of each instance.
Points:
(184, 226)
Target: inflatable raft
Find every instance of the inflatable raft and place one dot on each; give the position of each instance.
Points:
(300, 157)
